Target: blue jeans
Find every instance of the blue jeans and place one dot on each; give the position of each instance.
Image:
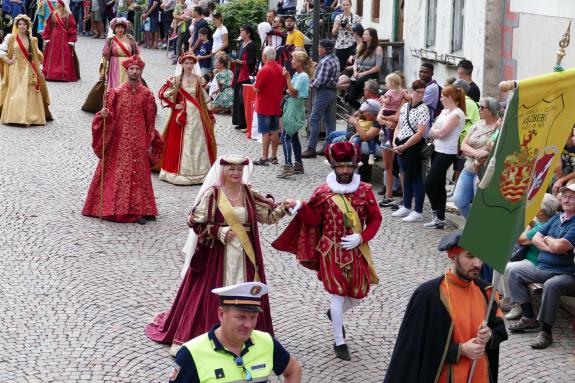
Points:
(335, 136)
(464, 191)
(78, 13)
(289, 142)
(415, 186)
(356, 139)
(323, 101)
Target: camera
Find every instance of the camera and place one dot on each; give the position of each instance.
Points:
(344, 23)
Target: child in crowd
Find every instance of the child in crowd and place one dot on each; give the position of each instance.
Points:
(391, 102)
(367, 114)
(204, 52)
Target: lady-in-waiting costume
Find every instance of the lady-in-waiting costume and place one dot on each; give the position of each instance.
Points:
(60, 63)
(116, 52)
(190, 148)
(23, 96)
(212, 262)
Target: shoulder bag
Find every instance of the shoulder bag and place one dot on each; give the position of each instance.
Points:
(427, 147)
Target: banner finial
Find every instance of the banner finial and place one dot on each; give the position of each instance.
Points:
(563, 43)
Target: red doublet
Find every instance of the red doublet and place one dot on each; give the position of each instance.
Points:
(314, 236)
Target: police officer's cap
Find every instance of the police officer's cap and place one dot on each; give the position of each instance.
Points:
(450, 240)
(244, 296)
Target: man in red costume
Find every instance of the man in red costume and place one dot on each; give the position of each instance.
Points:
(125, 140)
(330, 233)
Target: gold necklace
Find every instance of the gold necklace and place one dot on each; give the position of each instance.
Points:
(233, 199)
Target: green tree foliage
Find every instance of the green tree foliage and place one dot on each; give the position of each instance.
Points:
(243, 12)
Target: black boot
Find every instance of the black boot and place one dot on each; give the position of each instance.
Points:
(342, 352)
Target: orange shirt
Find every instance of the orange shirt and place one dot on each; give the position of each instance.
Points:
(467, 307)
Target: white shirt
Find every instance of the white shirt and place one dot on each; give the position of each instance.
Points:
(448, 144)
(219, 38)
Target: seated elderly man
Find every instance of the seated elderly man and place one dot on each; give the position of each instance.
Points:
(555, 241)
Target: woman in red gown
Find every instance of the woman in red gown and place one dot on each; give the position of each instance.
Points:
(223, 249)
(59, 38)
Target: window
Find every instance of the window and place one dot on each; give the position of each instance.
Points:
(431, 23)
(457, 23)
(359, 8)
(375, 10)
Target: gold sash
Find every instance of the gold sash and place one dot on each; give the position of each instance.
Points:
(351, 216)
(238, 228)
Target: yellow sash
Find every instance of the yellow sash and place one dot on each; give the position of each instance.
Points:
(351, 216)
(238, 228)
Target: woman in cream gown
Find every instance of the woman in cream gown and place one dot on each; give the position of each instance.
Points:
(190, 148)
(23, 97)
(223, 249)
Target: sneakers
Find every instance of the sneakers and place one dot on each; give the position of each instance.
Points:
(386, 201)
(371, 159)
(402, 212)
(514, 313)
(298, 167)
(524, 324)
(262, 162)
(342, 352)
(308, 154)
(435, 223)
(413, 217)
(287, 171)
(544, 340)
(505, 304)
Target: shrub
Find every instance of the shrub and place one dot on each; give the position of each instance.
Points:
(241, 12)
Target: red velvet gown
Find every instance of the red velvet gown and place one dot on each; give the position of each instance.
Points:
(315, 233)
(130, 151)
(195, 308)
(58, 54)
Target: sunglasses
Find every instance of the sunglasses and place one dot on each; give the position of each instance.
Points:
(240, 363)
(483, 107)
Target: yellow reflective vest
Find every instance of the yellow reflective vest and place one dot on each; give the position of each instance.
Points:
(220, 366)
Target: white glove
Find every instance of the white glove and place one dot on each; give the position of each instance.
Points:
(351, 241)
(295, 209)
(71, 44)
(46, 41)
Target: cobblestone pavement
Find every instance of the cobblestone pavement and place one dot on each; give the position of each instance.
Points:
(76, 293)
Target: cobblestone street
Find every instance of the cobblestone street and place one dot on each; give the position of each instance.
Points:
(76, 293)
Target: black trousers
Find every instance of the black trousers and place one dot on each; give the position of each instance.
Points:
(343, 54)
(435, 182)
(355, 91)
(238, 113)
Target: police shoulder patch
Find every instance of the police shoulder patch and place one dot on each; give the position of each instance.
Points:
(175, 371)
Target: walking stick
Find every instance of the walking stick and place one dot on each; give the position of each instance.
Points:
(103, 138)
(484, 324)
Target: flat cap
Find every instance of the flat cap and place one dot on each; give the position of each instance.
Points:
(327, 44)
(450, 240)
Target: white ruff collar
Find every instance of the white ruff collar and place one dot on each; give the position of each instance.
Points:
(336, 187)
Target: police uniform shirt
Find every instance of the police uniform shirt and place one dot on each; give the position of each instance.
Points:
(184, 367)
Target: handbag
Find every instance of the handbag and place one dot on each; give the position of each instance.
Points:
(93, 102)
(428, 147)
(518, 253)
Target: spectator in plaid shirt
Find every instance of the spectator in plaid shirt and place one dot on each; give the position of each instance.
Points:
(325, 96)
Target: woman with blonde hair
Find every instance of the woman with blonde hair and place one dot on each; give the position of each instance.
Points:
(293, 117)
(60, 63)
(445, 132)
(24, 97)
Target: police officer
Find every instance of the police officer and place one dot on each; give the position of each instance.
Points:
(233, 351)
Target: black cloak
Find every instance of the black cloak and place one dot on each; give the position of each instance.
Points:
(424, 341)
